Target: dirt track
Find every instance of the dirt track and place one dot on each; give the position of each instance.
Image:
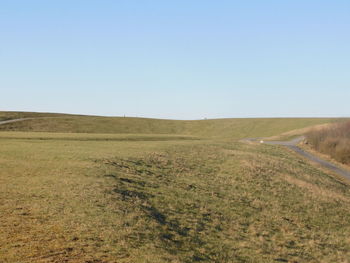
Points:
(15, 120)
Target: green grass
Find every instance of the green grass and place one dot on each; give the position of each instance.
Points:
(181, 195)
(94, 136)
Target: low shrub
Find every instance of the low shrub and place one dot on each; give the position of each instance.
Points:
(333, 140)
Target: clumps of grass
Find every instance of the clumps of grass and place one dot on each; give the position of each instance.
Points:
(333, 140)
(168, 211)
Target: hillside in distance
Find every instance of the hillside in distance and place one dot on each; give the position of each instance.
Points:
(213, 128)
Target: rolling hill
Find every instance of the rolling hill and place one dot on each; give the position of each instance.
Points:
(214, 128)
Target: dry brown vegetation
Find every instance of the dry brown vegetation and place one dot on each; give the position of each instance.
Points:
(333, 140)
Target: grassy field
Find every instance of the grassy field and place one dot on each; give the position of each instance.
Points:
(171, 197)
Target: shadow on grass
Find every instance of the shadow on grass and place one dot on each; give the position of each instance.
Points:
(141, 185)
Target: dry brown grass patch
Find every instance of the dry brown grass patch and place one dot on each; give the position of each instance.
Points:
(314, 190)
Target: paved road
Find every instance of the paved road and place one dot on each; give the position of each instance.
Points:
(293, 145)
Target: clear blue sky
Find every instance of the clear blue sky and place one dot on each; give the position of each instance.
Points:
(176, 59)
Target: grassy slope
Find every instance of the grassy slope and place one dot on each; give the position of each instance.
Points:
(224, 128)
(167, 201)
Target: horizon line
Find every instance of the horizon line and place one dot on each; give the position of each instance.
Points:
(197, 119)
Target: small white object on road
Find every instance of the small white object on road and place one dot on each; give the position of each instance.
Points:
(261, 141)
